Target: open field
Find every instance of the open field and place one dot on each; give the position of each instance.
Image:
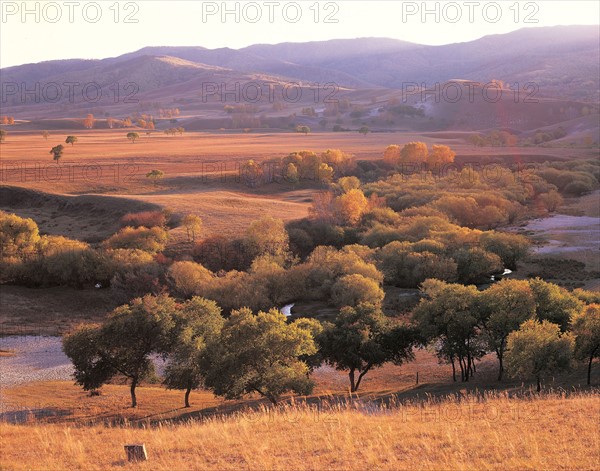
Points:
(547, 432)
(201, 174)
(105, 161)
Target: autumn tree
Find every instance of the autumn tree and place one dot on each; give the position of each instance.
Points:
(71, 140)
(251, 173)
(89, 121)
(586, 328)
(291, 174)
(57, 152)
(440, 155)
(151, 239)
(351, 290)
(322, 207)
(267, 236)
(123, 344)
(503, 308)
(132, 136)
(342, 162)
(193, 226)
(391, 155)
(189, 278)
(414, 152)
(538, 349)
(259, 353)
(19, 237)
(325, 173)
(303, 129)
(3, 135)
(45, 134)
(348, 183)
(197, 325)
(351, 206)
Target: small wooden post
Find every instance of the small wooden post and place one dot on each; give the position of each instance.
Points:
(136, 452)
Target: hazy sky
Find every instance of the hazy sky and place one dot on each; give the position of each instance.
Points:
(106, 28)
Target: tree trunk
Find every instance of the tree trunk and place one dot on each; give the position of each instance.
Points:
(352, 385)
(539, 385)
(132, 390)
(360, 377)
(589, 378)
(453, 369)
(187, 396)
(469, 365)
(501, 367)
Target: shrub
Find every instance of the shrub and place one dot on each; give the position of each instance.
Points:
(351, 290)
(475, 265)
(188, 278)
(19, 237)
(151, 240)
(144, 218)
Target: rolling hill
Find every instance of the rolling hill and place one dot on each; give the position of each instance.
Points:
(558, 66)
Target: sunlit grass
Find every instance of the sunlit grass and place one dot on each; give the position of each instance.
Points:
(552, 431)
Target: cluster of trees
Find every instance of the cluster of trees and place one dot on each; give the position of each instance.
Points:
(494, 139)
(244, 353)
(122, 123)
(417, 153)
(173, 131)
(535, 328)
(58, 150)
(299, 166)
(462, 324)
(168, 112)
(145, 121)
(572, 178)
(272, 263)
(541, 137)
(393, 107)
(8, 120)
(129, 261)
(489, 197)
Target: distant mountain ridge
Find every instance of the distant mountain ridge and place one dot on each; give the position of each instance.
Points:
(563, 61)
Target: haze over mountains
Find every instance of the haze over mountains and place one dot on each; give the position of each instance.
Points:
(563, 62)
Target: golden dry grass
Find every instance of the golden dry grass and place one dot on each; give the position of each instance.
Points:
(548, 432)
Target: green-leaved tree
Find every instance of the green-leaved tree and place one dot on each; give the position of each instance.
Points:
(538, 349)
